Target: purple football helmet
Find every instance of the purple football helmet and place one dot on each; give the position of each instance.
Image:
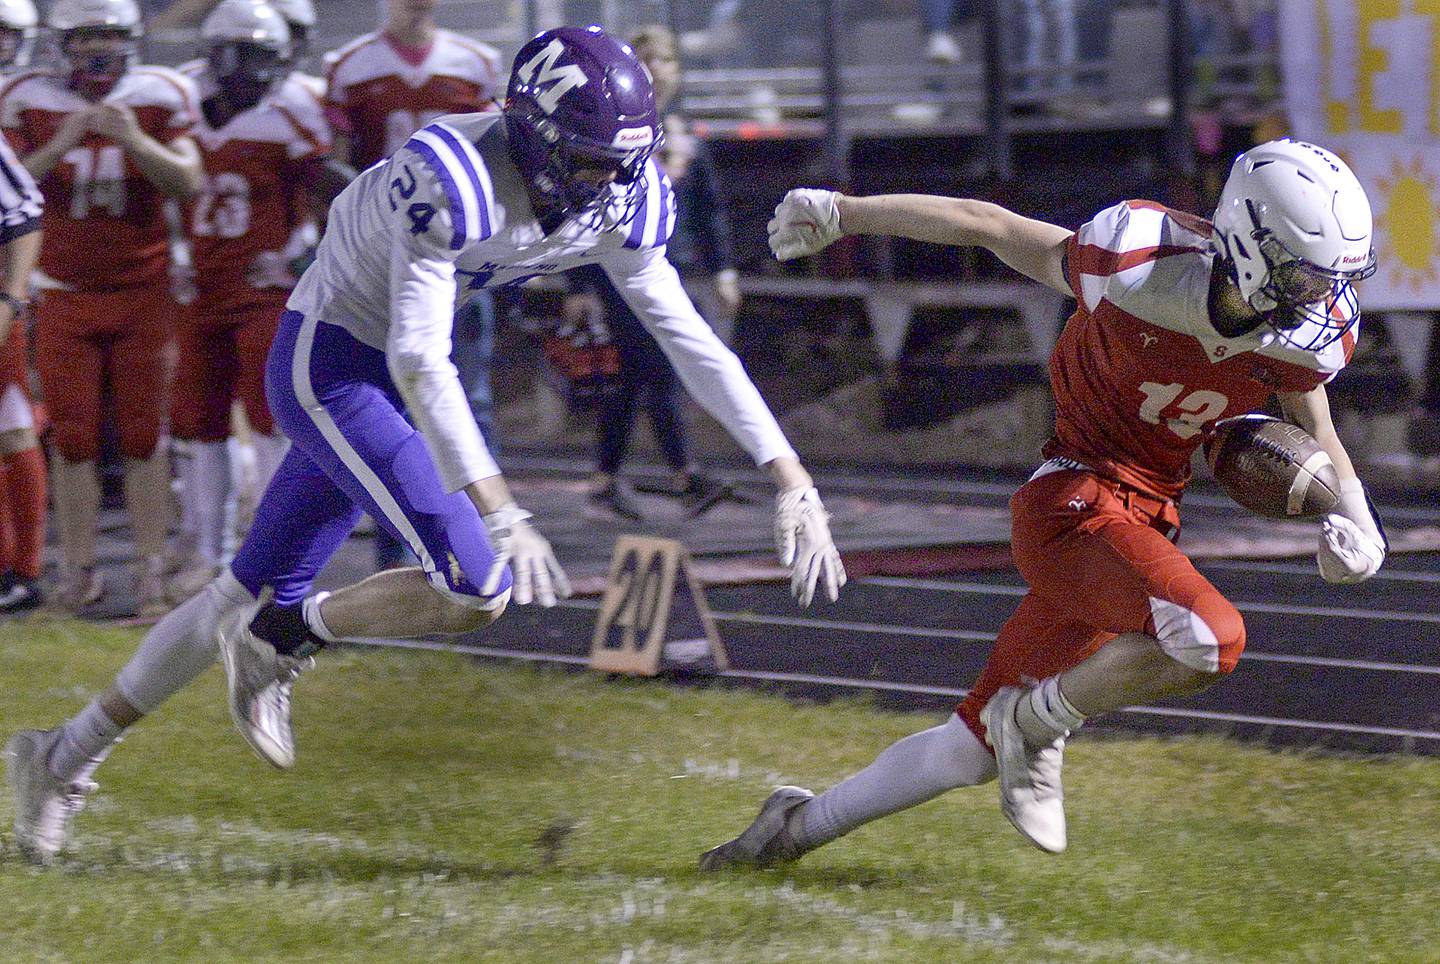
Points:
(579, 100)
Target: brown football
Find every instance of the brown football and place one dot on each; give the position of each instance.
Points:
(1272, 468)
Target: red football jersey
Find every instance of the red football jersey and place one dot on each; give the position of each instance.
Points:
(243, 219)
(378, 98)
(104, 221)
(1139, 373)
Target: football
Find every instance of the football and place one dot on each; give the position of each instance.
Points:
(1272, 468)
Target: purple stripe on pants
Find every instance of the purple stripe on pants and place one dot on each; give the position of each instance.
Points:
(353, 451)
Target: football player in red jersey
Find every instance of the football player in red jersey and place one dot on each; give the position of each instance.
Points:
(107, 140)
(1179, 323)
(264, 145)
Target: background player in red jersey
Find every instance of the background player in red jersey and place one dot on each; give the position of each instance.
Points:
(1178, 323)
(380, 89)
(264, 147)
(108, 141)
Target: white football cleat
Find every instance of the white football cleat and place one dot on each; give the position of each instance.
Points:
(44, 804)
(1031, 796)
(259, 680)
(765, 842)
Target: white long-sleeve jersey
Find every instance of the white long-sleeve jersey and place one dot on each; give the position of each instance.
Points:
(447, 215)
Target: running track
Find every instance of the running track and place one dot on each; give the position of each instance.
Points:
(1354, 668)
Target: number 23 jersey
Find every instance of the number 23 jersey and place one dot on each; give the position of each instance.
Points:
(1139, 373)
(104, 221)
(248, 206)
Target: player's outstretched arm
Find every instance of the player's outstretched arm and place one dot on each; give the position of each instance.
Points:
(808, 220)
(1352, 540)
(714, 377)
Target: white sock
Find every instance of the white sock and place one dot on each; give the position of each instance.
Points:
(1045, 714)
(179, 647)
(185, 477)
(84, 736)
(909, 772)
(310, 612)
(211, 480)
(269, 453)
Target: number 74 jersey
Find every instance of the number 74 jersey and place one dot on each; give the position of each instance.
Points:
(104, 221)
(1140, 374)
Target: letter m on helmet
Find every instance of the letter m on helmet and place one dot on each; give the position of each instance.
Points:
(549, 81)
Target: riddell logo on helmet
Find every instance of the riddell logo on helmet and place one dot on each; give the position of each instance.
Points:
(1355, 259)
(629, 138)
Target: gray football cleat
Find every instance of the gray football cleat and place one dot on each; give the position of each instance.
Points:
(259, 680)
(44, 803)
(766, 842)
(1031, 796)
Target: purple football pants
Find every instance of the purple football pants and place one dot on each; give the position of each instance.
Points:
(353, 451)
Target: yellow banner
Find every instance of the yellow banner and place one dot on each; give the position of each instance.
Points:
(1362, 77)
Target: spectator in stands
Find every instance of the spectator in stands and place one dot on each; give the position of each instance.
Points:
(700, 248)
(382, 87)
(1046, 46)
(938, 18)
(108, 141)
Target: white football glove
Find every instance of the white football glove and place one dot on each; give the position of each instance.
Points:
(1352, 547)
(802, 538)
(806, 220)
(537, 573)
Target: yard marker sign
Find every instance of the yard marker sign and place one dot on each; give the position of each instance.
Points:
(653, 616)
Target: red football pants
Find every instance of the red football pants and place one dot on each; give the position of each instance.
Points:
(222, 356)
(84, 340)
(1099, 561)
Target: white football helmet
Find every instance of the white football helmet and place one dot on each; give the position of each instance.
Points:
(249, 51)
(300, 15)
(96, 14)
(247, 21)
(94, 74)
(1296, 227)
(301, 12)
(18, 21)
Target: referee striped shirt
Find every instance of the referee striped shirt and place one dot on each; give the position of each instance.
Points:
(20, 199)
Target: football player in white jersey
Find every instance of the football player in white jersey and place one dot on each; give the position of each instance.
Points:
(563, 177)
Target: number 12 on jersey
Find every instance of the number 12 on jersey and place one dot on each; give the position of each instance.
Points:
(1194, 410)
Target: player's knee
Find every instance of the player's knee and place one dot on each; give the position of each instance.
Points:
(458, 613)
(1206, 637)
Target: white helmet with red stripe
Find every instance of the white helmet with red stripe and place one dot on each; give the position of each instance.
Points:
(1296, 226)
(18, 21)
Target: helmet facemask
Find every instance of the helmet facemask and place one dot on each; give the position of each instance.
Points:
(94, 72)
(600, 204)
(16, 47)
(246, 72)
(1308, 306)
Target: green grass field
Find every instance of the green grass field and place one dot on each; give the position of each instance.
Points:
(448, 810)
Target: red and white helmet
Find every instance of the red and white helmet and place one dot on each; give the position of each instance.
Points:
(18, 21)
(1295, 226)
(94, 74)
